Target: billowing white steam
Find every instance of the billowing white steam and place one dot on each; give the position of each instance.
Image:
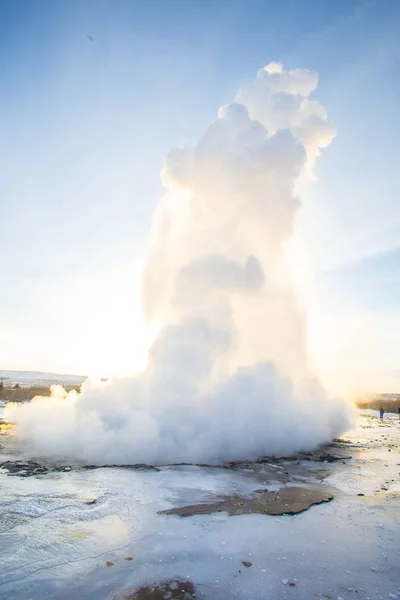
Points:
(228, 375)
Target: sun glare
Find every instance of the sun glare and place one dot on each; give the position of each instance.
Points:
(100, 321)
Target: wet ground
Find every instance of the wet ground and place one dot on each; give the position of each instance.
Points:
(285, 501)
(119, 533)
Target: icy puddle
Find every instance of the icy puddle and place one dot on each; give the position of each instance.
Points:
(119, 533)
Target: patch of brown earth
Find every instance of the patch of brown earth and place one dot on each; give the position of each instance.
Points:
(167, 590)
(384, 499)
(5, 427)
(286, 501)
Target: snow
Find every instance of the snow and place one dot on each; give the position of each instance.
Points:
(32, 378)
(55, 543)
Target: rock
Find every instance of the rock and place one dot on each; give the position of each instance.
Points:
(23, 468)
(169, 590)
(246, 563)
(109, 563)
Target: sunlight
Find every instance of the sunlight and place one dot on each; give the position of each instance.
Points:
(100, 323)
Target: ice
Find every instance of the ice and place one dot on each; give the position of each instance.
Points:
(55, 541)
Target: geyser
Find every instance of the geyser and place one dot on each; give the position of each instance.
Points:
(228, 374)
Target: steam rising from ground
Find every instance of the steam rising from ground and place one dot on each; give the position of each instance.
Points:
(228, 374)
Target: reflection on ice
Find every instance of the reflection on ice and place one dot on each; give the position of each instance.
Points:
(65, 517)
(59, 531)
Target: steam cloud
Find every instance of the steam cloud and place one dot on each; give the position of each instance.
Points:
(228, 375)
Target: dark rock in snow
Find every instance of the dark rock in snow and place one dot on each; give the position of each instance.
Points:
(173, 590)
(23, 468)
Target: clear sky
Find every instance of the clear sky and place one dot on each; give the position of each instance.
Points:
(86, 122)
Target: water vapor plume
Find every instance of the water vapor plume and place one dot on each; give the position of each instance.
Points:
(228, 375)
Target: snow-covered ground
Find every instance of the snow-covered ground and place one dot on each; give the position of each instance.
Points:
(56, 542)
(32, 378)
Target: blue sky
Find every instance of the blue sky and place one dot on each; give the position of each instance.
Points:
(85, 126)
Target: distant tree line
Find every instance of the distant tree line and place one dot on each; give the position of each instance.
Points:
(390, 405)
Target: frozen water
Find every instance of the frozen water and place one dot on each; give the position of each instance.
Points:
(55, 541)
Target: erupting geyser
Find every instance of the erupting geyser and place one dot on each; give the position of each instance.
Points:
(227, 376)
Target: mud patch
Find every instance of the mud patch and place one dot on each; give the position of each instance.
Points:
(168, 590)
(286, 501)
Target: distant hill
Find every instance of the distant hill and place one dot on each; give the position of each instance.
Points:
(39, 378)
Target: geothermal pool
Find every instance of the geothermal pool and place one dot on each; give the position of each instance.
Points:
(98, 533)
